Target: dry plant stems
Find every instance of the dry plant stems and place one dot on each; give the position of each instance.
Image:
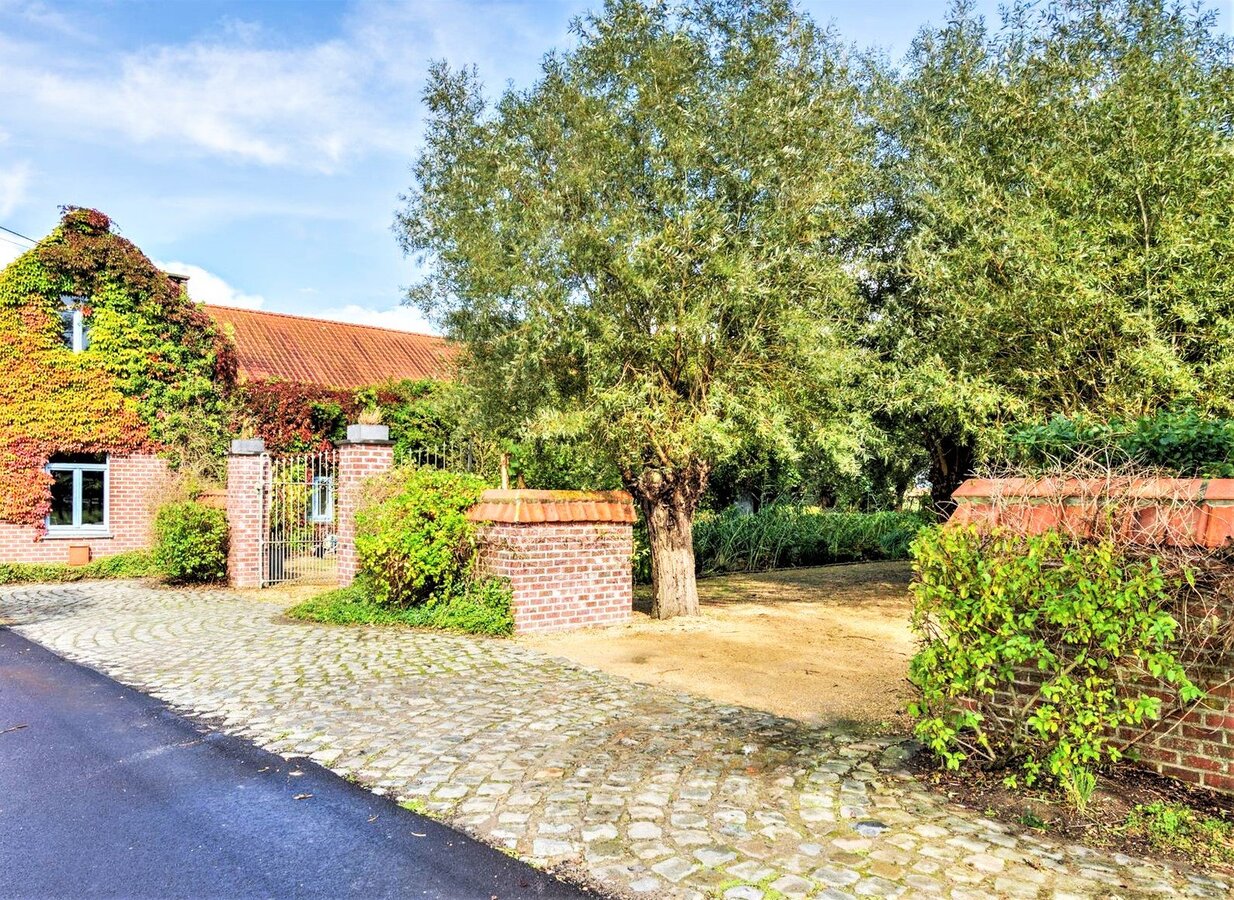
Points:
(370, 415)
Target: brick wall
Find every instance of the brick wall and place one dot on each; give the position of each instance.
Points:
(1196, 745)
(247, 486)
(567, 555)
(357, 462)
(133, 484)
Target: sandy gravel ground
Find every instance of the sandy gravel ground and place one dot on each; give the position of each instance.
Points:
(824, 645)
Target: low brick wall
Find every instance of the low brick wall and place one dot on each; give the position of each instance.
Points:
(133, 484)
(567, 555)
(1196, 745)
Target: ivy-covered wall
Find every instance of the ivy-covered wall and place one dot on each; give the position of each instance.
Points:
(157, 375)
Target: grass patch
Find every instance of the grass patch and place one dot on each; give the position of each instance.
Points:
(135, 564)
(1176, 828)
(483, 608)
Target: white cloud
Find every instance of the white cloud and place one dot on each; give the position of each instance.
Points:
(403, 318)
(10, 250)
(206, 287)
(242, 92)
(14, 181)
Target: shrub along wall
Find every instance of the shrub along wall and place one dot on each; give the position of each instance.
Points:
(1072, 622)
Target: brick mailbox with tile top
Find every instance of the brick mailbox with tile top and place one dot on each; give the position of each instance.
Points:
(568, 555)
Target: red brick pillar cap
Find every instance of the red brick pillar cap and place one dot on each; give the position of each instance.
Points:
(531, 507)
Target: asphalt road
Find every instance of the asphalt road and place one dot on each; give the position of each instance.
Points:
(104, 792)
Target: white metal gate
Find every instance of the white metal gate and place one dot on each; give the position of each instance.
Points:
(301, 538)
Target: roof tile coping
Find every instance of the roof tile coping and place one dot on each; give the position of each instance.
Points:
(528, 507)
(1177, 489)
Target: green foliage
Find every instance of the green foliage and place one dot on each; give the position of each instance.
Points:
(783, 536)
(413, 539)
(649, 248)
(1057, 203)
(1182, 442)
(1175, 828)
(133, 564)
(190, 543)
(1072, 617)
(478, 607)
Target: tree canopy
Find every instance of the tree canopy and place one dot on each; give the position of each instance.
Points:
(1061, 191)
(654, 247)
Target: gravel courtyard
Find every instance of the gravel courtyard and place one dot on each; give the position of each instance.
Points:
(638, 791)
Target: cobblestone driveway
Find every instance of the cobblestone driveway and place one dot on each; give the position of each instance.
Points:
(642, 793)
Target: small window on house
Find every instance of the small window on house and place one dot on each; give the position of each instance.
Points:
(78, 494)
(76, 334)
(321, 500)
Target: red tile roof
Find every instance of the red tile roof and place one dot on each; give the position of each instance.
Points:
(331, 354)
(525, 507)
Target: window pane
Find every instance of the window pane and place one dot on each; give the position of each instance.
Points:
(62, 498)
(92, 498)
(66, 326)
(94, 459)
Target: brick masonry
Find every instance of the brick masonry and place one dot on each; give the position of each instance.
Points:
(1194, 745)
(248, 476)
(566, 570)
(358, 461)
(133, 484)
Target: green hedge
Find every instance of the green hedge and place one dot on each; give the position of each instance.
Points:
(190, 543)
(783, 536)
(135, 564)
(1182, 442)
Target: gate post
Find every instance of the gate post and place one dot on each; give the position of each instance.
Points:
(368, 451)
(247, 465)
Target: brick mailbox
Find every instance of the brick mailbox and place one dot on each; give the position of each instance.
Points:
(567, 555)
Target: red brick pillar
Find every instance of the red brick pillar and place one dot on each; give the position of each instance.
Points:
(248, 470)
(366, 452)
(568, 555)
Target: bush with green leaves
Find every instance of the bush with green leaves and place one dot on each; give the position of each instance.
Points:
(190, 543)
(1085, 623)
(480, 606)
(1183, 442)
(413, 539)
(134, 564)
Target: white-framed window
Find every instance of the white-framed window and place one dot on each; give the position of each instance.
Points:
(78, 494)
(321, 499)
(75, 333)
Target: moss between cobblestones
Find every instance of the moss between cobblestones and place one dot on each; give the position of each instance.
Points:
(135, 564)
(483, 611)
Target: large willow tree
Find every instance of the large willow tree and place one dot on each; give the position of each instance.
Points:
(652, 246)
(1063, 194)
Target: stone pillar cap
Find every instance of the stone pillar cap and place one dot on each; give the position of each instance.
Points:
(527, 507)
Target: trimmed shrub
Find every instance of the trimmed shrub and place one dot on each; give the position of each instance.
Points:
(1080, 621)
(134, 564)
(190, 543)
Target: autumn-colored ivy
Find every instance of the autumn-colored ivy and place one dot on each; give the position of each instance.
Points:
(156, 376)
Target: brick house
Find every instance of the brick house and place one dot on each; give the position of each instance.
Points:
(83, 440)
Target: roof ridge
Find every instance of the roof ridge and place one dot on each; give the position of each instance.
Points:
(300, 318)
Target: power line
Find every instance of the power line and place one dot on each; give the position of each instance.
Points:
(14, 243)
(18, 234)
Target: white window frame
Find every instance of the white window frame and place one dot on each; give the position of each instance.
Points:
(322, 485)
(81, 339)
(77, 529)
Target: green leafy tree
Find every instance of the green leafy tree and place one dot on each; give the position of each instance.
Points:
(650, 248)
(1059, 212)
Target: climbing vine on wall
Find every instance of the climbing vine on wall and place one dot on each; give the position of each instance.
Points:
(156, 375)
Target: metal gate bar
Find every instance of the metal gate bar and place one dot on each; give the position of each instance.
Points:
(301, 540)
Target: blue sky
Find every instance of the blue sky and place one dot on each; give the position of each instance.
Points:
(261, 147)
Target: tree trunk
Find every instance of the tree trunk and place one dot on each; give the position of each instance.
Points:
(670, 533)
(668, 500)
(951, 463)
